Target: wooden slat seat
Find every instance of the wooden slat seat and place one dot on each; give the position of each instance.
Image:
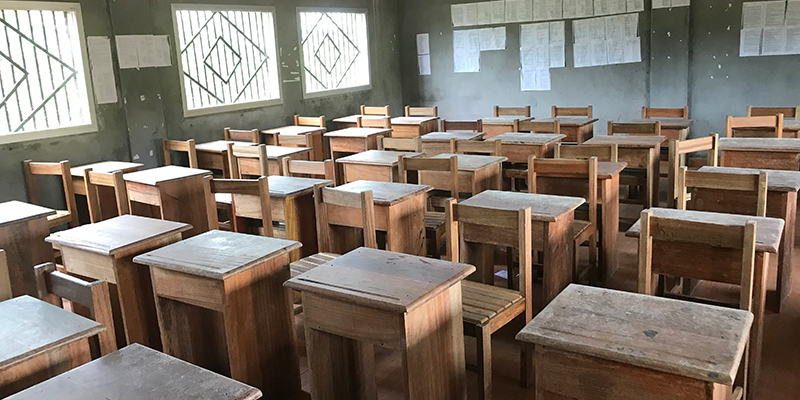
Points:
(579, 227)
(307, 264)
(59, 218)
(482, 303)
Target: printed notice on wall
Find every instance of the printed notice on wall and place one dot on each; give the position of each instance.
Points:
(466, 51)
(424, 53)
(143, 51)
(670, 3)
(770, 28)
(541, 48)
(103, 81)
(606, 41)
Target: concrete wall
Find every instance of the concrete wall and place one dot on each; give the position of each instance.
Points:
(150, 106)
(690, 57)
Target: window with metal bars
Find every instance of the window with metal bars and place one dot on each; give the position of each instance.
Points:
(335, 51)
(44, 84)
(227, 56)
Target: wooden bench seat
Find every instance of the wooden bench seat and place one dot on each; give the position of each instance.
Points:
(306, 264)
(483, 303)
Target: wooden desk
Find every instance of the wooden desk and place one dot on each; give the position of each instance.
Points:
(475, 174)
(551, 218)
(214, 155)
(104, 250)
(608, 192)
(639, 152)
(494, 126)
(23, 228)
(353, 140)
(293, 204)
(171, 193)
(781, 203)
(311, 134)
(222, 306)
(436, 143)
(517, 146)
(577, 129)
(791, 128)
(760, 153)
(590, 341)
(373, 165)
(107, 198)
(371, 297)
(39, 341)
(768, 238)
(251, 167)
(399, 211)
(137, 372)
(403, 127)
(672, 128)
(350, 121)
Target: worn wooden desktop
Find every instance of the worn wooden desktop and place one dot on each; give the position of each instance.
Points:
(639, 152)
(413, 126)
(436, 143)
(312, 135)
(353, 140)
(369, 298)
(222, 306)
(171, 193)
(107, 198)
(760, 153)
(137, 372)
(373, 165)
(791, 128)
(518, 146)
(672, 128)
(577, 129)
(494, 126)
(593, 343)
(251, 166)
(768, 237)
(351, 121)
(292, 201)
(781, 203)
(475, 173)
(608, 193)
(399, 211)
(104, 250)
(39, 341)
(551, 218)
(23, 228)
(214, 155)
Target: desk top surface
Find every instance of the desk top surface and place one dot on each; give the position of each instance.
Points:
(668, 123)
(352, 119)
(633, 142)
(788, 145)
(106, 167)
(777, 180)
(295, 130)
(376, 157)
(358, 132)
(220, 146)
(446, 136)
(412, 120)
(288, 186)
(528, 138)
(386, 193)
(169, 173)
(505, 119)
(547, 208)
(571, 121)
(14, 211)
(471, 162)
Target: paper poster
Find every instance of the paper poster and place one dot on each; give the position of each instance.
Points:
(557, 57)
(774, 13)
(127, 57)
(534, 80)
(750, 42)
(633, 50)
(103, 80)
(634, 6)
(753, 15)
(770, 28)
(161, 51)
(773, 41)
(557, 33)
(615, 51)
(142, 51)
(577, 8)
(492, 39)
(606, 40)
(662, 4)
(582, 53)
(423, 44)
(793, 13)
(793, 40)
(485, 13)
(601, 7)
(466, 51)
(458, 15)
(424, 64)
(498, 12)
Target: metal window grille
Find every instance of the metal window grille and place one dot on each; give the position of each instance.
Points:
(227, 57)
(335, 50)
(43, 84)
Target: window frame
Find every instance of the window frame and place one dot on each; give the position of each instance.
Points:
(333, 92)
(91, 102)
(187, 113)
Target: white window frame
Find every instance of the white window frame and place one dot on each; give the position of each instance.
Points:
(333, 92)
(71, 130)
(228, 107)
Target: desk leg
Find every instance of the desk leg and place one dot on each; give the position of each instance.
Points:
(558, 248)
(135, 291)
(757, 331)
(406, 227)
(482, 257)
(653, 173)
(341, 368)
(788, 205)
(609, 192)
(436, 328)
(301, 226)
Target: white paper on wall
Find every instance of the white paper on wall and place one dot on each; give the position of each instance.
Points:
(498, 12)
(631, 25)
(615, 27)
(662, 4)
(750, 42)
(539, 10)
(634, 5)
(542, 79)
(424, 64)
(793, 40)
(423, 44)
(599, 53)
(103, 80)
(532, 35)
(601, 7)
(492, 38)
(557, 33)
(526, 11)
(555, 9)
(773, 41)
(616, 6)
(582, 54)
(471, 14)
(557, 57)
(681, 3)
(127, 56)
(606, 40)
(162, 55)
(466, 51)
(484, 13)
(774, 13)
(512, 10)
(527, 80)
(633, 50)
(753, 15)
(793, 13)
(615, 51)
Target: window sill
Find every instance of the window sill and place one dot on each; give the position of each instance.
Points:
(336, 92)
(53, 133)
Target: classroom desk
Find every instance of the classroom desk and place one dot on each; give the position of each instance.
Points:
(608, 193)
(399, 211)
(551, 218)
(214, 155)
(639, 152)
(781, 203)
(222, 306)
(251, 166)
(791, 128)
(369, 298)
(475, 173)
(577, 129)
(107, 198)
(404, 127)
(760, 153)
(768, 238)
(137, 372)
(518, 146)
(311, 134)
(672, 128)
(104, 250)
(177, 192)
(373, 165)
(494, 126)
(23, 228)
(590, 341)
(353, 140)
(436, 143)
(350, 121)
(39, 341)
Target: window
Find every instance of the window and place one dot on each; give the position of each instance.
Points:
(335, 51)
(44, 86)
(227, 56)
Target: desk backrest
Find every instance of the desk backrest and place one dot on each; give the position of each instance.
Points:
(249, 199)
(678, 148)
(571, 112)
(471, 126)
(92, 180)
(490, 148)
(569, 169)
(239, 135)
(382, 123)
(5, 277)
(770, 126)
(520, 111)
(634, 128)
(370, 110)
(309, 121)
(539, 127)
(32, 169)
(302, 168)
(603, 152)
(179, 146)
(257, 153)
(649, 112)
(422, 111)
(722, 183)
(341, 201)
(449, 165)
(788, 112)
(400, 144)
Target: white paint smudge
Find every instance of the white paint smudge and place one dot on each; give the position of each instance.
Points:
(135, 157)
(142, 98)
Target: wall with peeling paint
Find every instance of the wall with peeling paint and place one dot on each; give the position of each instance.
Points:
(150, 101)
